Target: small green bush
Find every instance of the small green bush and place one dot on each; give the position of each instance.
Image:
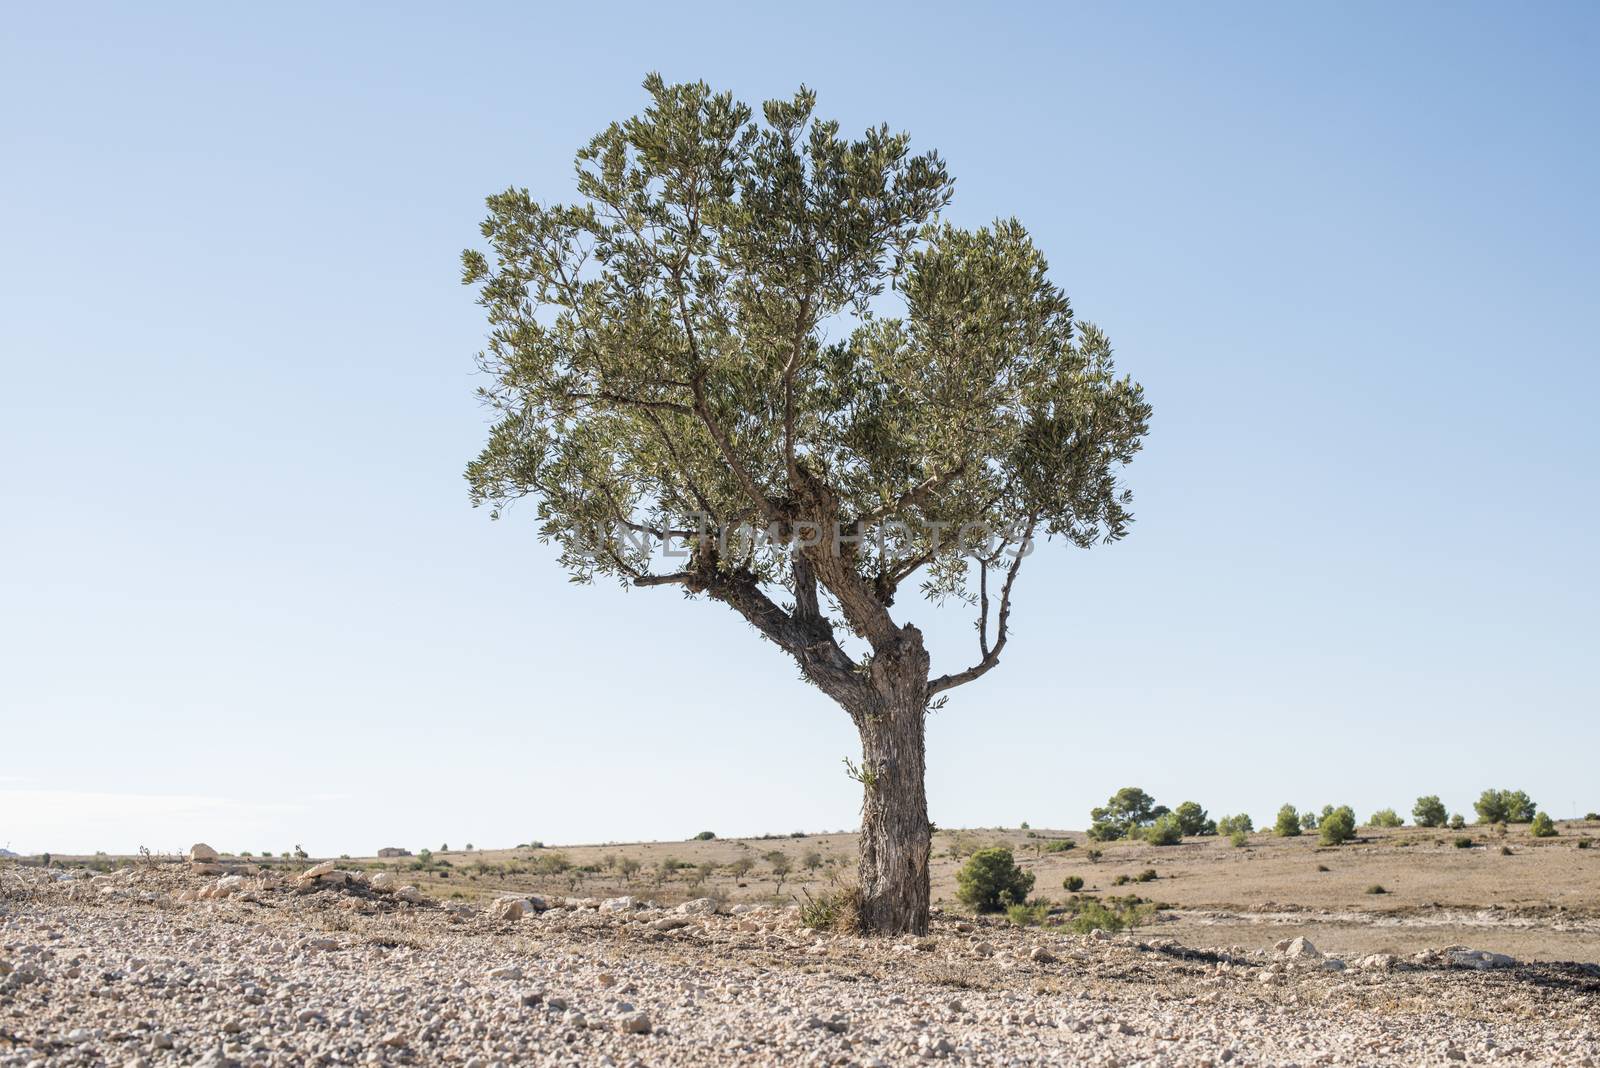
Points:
(1386, 817)
(1593, 817)
(1376, 888)
(1165, 831)
(1464, 842)
(1122, 880)
(1028, 915)
(1308, 820)
(1094, 855)
(1193, 820)
(1288, 825)
(1060, 845)
(1543, 826)
(705, 836)
(1505, 851)
(1239, 839)
(1457, 822)
(1073, 883)
(1338, 825)
(1429, 812)
(1147, 876)
(1230, 824)
(1583, 843)
(990, 880)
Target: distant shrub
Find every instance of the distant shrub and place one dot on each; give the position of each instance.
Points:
(1386, 817)
(1288, 824)
(1073, 883)
(1060, 845)
(1429, 812)
(1464, 842)
(741, 867)
(990, 880)
(1376, 888)
(1231, 824)
(1193, 821)
(1122, 880)
(1239, 839)
(1024, 826)
(1323, 867)
(1592, 817)
(1338, 825)
(1114, 914)
(811, 860)
(1505, 806)
(1308, 820)
(1505, 851)
(1165, 831)
(1094, 855)
(1147, 876)
(628, 866)
(1457, 822)
(705, 836)
(1583, 843)
(1543, 826)
(1028, 915)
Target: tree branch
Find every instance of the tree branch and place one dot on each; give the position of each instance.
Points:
(990, 655)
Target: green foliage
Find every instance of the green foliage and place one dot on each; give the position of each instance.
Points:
(1193, 821)
(991, 880)
(1457, 822)
(1060, 845)
(1165, 831)
(1543, 826)
(1308, 820)
(1338, 825)
(1126, 811)
(1073, 883)
(1505, 806)
(1113, 914)
(1028, 915)
(1231, 824)
(1288, 825)
(705, 836)
(1429, 812)
(1239, 839)
(837, 910)
(1463, 841)
(1386, 817)
(1584, 843)
(1376, 888)
(1147, 876)
(746, 314)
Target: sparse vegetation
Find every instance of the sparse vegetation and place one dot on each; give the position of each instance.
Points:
(1386, 817)
(1125, 812)
(1338, 825)
(1239, 839)
(1231, 824)
(1457, 822)
(1505, 806)
(1288, 823)
(1429, 812)
(1377, 888)
(1464, 842)
(990, 880)
(1542, 826)
(705, 836)
(1060, 845)
(1165, 831)
(1072, 884)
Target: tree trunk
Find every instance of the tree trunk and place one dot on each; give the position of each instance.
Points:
(896, 838)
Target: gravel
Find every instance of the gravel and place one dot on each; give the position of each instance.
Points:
(135, 968)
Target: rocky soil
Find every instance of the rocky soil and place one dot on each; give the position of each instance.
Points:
(166, 965)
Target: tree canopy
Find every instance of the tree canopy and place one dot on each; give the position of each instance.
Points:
(763, 322)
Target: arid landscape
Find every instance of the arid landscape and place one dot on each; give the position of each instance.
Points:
(1277, 951)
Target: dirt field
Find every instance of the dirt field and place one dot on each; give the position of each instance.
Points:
(1539, 902)
(159, 964)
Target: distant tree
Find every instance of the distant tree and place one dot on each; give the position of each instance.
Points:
(1457, 821)
(741, 867)
(1127, 809)
(1309, 820)
(1288, 825)
(765, 326)
(1429, 812)
(1240, 824)
(1505, 806)
(1338, 825)
(1193, 819)
(629, 867)
(781, 866)
(811, 860)
(1543, 826)
(1386, 817)
(1166, 830)
(705, 836)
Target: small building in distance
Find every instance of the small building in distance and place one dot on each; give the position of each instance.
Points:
(393, 851)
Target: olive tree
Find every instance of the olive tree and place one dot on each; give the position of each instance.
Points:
(751, 362)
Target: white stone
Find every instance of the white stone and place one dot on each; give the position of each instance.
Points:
(200, 853)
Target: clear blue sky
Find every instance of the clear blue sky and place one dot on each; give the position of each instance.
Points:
(1349, 249)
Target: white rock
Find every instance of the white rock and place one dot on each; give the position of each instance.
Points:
(315, 870)
(385, 880)
(507, 908)
(506, 971)
(200, 853)
(1462, 957)
(617, 904)
(635, 1023)
(1301, 949)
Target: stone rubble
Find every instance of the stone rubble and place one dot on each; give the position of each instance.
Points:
(159, 966)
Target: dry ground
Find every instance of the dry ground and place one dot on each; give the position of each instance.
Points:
(1538, 901)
